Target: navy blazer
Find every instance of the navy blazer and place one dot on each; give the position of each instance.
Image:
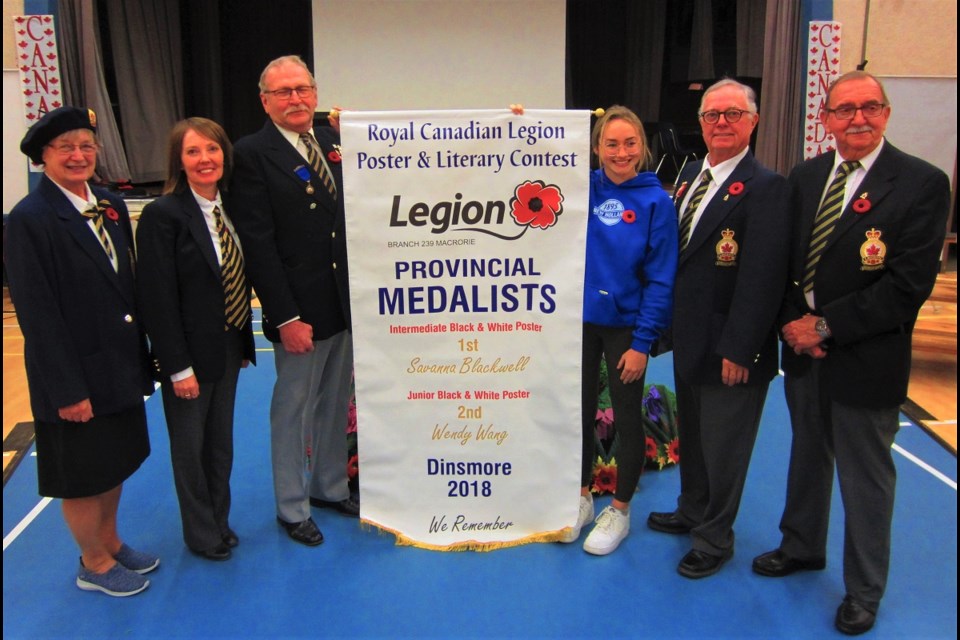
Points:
(732, 275)
(82, 336)
(869, 294)
(180, 289)
(294, 241)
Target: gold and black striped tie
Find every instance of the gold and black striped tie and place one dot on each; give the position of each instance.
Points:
(686, 221)
(826, 222)
(96, 214)
(313, 157)
(234, 281)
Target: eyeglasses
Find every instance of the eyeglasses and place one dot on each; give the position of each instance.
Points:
(730, 115)
(68, 149)
(869, 110)
(285, 94)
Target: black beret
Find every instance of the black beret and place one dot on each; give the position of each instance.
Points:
(53, 124)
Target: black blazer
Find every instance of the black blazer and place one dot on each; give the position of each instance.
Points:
(870, 309)
(82, 336)
(180, 289)
(725, 306)
(294, 241)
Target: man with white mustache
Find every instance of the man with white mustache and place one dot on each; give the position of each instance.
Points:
(287, 187)
(869, 227)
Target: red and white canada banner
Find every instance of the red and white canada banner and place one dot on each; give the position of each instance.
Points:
(39, 64)
(823, 67)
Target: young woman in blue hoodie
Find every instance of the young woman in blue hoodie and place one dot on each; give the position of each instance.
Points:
(630, 266)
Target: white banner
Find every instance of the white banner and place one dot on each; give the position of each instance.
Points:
(465, 232)
(39, 67)
(823, 67)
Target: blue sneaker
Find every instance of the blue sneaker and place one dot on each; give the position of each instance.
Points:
(119, 581)
(137, 561)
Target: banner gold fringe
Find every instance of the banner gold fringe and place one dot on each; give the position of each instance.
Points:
(467, 545)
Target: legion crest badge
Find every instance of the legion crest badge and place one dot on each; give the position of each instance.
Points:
(873, 252)
(727, 249)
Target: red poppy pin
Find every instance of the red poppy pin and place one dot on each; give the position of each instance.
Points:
(629, 216)
(861, 205)
(682, 189)
(333, 156)
(735, 189)
(112, 214)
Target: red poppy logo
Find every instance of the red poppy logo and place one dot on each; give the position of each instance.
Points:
(682, 189)
(535, 204)
(861, 205)
(629, 216)
(112, 214)
(333, 156)
(735, 189)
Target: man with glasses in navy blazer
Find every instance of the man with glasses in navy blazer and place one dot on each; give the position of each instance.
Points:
(731, 275)
(288, 195)
(869, 227)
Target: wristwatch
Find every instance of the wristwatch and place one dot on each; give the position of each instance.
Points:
(822, 329)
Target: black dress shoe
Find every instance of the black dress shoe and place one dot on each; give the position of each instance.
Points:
(697, 564)
(777, 564)
(667, 522)
(218, 552)
(348, 507)
(305, 532)
(853, 618)
(230, 538)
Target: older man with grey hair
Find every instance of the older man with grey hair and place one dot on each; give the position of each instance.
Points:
(287, 187)
(731, 275)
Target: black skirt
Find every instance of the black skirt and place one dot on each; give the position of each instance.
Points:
(83, 459)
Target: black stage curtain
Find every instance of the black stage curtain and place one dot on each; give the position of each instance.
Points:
(227, 43)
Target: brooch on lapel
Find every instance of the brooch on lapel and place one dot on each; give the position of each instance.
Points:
(873, 252)
(734, 189)
(727, 249)
(304, 174)
(861, 205)
(682, 189)
(334, 156)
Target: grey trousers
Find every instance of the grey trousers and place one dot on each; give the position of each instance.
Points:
(308, 421)
(858, 440)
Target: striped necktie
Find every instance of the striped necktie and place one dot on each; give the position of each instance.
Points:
(313, 157)
(95, 213)
(686, 222)
(826, 222)
(234, 282)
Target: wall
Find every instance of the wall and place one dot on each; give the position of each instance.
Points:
(912, 48)
(904, 37)
(440, 54)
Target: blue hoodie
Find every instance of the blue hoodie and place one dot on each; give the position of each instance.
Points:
(631, 256)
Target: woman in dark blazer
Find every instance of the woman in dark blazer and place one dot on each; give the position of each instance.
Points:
(70, 263)
(195, 302)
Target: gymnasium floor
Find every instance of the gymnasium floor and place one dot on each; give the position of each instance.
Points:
(358, 584)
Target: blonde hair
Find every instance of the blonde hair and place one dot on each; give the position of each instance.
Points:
(619, 112)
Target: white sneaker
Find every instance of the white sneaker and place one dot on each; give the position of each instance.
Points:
(586, 515)
(612, 527)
